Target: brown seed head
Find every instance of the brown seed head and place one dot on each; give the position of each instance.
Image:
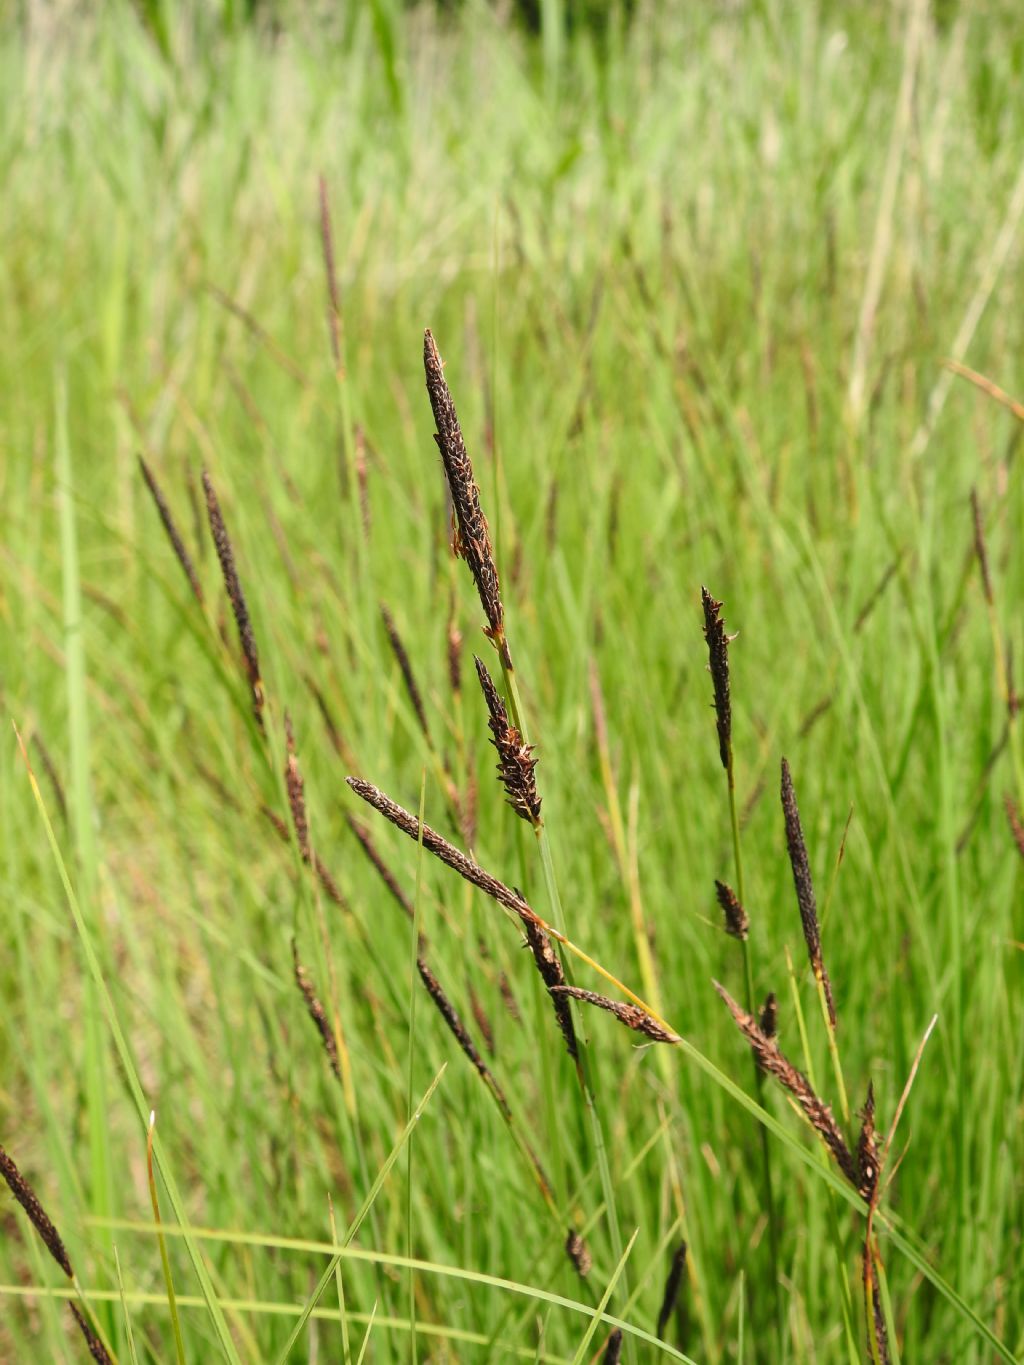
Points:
(316, 1012)
(770, 1059)
(97, 1350)
(804, 888)
(579, 1253)
(878, 1333)
(737, 922)
(37, 1215)
(472, 539)
(867, 1150)
(769, 1020)
(236, 597)
(630, 1015)
(173, 535)
(459, 1031)
(516, 764)
(550, 968)
(405, 667)
(613, 1351)
(384, 872)
(672, 1283)
(718, 663)
(454, 657)
(296, 791)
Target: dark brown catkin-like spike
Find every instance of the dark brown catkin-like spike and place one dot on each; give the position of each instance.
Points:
(737, 922)
(447, 853)
(454, 657)
(979, 547)
(770, 1059)
(769, 1020)
(383, 871)
(550, 968)
(878, 1333)
(97, 1350)
(316, 1012)
(718, 663)
(472, 540)
(804, 888)
(613, 1351)
(296, 791)
(516, 764)
(37, 1215)
(631, 1015)
(867, 1150)
(459, 1031)
(579, 1253)
(401, 654)
(173, 535)
(672, 1283)
(226, 556)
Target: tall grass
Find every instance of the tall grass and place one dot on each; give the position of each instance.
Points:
(649, 258)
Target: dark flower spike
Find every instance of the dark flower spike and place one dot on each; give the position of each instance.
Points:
(867, 1150)
(296, 791)
(97, 1350)
(405, 667)
(550, 968)
(316, 1012)
(384, 872)
(173, 535)
(613, 1351)
(472, 541)
(769, 1021)
(672, 1283)
(805, 888)
(770, 1059)
(516, 763)
(630, 1015)
(718, 663)
(460, 1033)
(37, 1215)
(579, 1253)
(236, 597)
(737, 922)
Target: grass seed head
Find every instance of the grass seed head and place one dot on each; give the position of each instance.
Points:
(737, 922)
(550, 968)
(296, 791)
(173, 534)
(798, 861)
(472, 541)
(579, 1253)
(516, 764)
(97, 1350)
(37, 1215)
(718, 663)
(613, 1351)
(867, 1150)
(405, 667)
(458, 1029)
(630, 1015)
(229, 572)
(672, 1283)
(769, 1020)
(316, 1012)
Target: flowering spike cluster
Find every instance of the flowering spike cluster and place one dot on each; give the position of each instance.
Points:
(239, 608)
(459, 1031)
(672, 1283)
(173, 534)
(296, 791)
(769, 1020)
(579, 1253)
(516, 764)
(718, 663)
(316, 1012)
(867, 1150)
(550, 968)
(405, 667)
(737, 922)
(805, 888)
(630, 1015)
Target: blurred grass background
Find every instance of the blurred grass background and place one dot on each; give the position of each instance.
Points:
(694, 271)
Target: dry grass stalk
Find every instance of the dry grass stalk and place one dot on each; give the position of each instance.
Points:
(97, 1350)
(173, 535)
(737, 922)
(37, 1215)
(672, 1284)
(296, 791)
(771, 1060)
(718, 663)
(579, 1253)
(805, 888)
(316, 1012)
(1016, 822)
(613, 1351)
(769, 1020)
(516, 764)
(630, 1015)
(980, 548)
(472, 541)
(405, 667)
(447, 853)
(553, 976)
(383, 871)
(460, 1033)
(236, 597)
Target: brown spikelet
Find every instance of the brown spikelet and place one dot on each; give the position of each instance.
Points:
(516, 763)
(97, 1350)
(979, 547)
(447, 853)
(226, 556)
(878, 1333)
(737, 922)
(718, 663)
(769, 1020)
(550, 968)
(173, 535)
(483, 1023)
(327, 882)
(804, 888)
(672, 1283)
(630, 1015)
(37, 1215)
(579, 1253)
(867, 1150)
(613, 1351)
(770, 1059)
(383, 871)
(296, 791)
(316, 1012)
(333, 305)
(405, 667)
(459, 1031)
(1013, 815)
(472, 539)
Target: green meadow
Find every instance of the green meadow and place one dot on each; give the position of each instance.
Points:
(697, 274)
